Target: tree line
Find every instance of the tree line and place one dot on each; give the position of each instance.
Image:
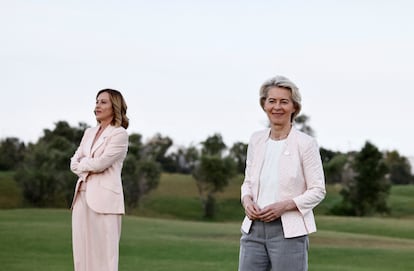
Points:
(42, 169)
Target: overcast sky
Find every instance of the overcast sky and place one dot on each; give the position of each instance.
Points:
(189, 69)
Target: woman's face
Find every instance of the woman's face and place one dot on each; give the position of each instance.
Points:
(103, 108)
(279, 106)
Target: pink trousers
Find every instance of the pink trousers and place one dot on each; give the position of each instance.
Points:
(95, 237)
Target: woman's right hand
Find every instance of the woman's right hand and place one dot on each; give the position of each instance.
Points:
(251, 209)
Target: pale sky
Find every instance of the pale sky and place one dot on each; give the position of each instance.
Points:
(189, 69)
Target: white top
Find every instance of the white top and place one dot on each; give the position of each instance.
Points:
(268, 175)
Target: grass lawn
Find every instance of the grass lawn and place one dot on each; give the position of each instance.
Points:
(40, 239)
(167, 232)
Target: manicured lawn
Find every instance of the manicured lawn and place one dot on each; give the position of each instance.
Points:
(40, 239)
(168, 232)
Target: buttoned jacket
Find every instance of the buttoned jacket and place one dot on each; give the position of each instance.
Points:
(300, 178)
(99, 166)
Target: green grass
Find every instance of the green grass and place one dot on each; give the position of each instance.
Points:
(402, 201)
(40, 239)
(179, 239)
(177, 197)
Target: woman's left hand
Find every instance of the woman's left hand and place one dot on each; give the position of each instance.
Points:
(275, 210)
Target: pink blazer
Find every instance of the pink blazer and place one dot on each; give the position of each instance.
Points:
(100, 168)
(301, 178)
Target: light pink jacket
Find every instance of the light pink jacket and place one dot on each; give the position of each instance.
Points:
(100, 168)
(301, 178)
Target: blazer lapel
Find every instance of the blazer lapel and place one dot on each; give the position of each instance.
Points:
(261, 148)
(90, 137)
(291, 138)
(102, 138)
(260, 154)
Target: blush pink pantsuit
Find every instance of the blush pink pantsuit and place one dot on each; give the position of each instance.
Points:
(98, 202)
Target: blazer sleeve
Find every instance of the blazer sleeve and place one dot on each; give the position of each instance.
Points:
(246, 188)
(74, 161)
(116, 149)
(314, 179)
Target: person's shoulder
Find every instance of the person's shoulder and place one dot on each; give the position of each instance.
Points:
(119, 130)
(304, 139)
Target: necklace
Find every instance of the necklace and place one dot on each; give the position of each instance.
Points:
(279, 137)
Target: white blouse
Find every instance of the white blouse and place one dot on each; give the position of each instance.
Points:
(268, 175)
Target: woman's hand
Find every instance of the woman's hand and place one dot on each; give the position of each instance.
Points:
(251, 208)
(275, 210)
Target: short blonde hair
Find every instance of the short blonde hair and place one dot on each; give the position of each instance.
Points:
(282, 82)
(119, 107)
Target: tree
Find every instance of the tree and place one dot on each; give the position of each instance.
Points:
(141, 172)
(11, 153)
(239, 153)
(212, 173)
(367, 192)
(157, 148)
(335, 167)
(327, 155)
(399, 168)
(185, 159)
(135, 145)
(44, 175)
(139, 178)
(213, 145)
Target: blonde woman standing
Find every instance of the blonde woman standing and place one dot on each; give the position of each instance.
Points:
(98, 202)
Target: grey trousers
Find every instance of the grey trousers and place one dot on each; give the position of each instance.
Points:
(264, 248)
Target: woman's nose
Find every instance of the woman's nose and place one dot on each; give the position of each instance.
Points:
(277, 105)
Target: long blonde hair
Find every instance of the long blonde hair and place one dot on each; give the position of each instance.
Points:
(119, 107)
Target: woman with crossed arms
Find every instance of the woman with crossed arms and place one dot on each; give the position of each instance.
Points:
(98, 203)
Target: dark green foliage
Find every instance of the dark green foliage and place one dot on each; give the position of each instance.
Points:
(141, 172)
(335, 168)
(11, 153)
(213, 172)
(156, 149)
(139, 178)
(239, 152)
(135, 145)
(399, 168)
(44, 175)
(327, 155)
(213, 145)
(366, 193)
